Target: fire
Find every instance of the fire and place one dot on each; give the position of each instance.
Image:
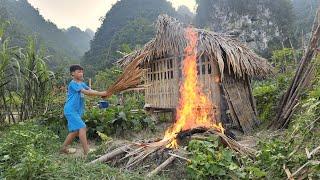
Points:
(194, 108)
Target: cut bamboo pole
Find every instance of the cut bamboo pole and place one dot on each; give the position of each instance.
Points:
(301, 80)
(112, 154)
(162, 166)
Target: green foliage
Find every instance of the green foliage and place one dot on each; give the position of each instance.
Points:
(268, 93)
(283, 59)
(7, 74)
(105, 78)
(29, 151)
(71, 168)
(54, 120)
(24, 150)
(283, 55)
(316, 93)
(118, 119)
(272, 155)
(289, 148)
(127, 22)
(209, 160)
(25, 80)
(125, 49)
(266, 96)
(142, 30)
(35, 80)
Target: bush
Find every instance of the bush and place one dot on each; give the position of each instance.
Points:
(210, 160)
(118, 119)
(268, 94)
(289, 148)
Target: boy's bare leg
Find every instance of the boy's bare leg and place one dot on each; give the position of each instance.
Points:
(83, 140)
(68, 141)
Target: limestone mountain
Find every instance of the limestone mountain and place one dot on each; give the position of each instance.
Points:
(262, 24)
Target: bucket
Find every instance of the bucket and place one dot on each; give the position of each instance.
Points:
(103, 104)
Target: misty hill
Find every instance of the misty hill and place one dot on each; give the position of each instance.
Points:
(128, 24)
(25, 21)
(80, 39)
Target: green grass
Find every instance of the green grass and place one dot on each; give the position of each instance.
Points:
(30, 151)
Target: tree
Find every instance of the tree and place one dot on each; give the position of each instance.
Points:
(129, 22)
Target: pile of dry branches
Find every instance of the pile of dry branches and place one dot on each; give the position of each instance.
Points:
(134, 154)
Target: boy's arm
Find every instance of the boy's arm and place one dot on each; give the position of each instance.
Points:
(91, 92)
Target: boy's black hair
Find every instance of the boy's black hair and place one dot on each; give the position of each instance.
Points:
(75, 67)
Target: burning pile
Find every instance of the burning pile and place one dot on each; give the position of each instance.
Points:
(194, 111)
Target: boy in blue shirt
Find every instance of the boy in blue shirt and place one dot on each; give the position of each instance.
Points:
(74, 108)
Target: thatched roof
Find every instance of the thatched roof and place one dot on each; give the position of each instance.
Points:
(170, 41)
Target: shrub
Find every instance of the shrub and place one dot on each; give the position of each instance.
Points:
(210, 160)
(118, 119)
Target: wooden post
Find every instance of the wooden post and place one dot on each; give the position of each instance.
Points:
(90, 83)
(112, 154)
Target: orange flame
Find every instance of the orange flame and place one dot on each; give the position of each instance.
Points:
(194, 109)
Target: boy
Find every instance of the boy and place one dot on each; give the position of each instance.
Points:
(74, 108)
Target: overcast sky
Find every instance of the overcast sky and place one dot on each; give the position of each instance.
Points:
(84, 13)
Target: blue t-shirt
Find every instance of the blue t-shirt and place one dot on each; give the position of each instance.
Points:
(75, 99)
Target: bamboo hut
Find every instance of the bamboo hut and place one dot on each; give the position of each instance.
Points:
(225, 69)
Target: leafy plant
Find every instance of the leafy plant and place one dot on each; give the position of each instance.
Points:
(36, 81)
(210, 160)
(268, 92)
(24, 151)
(25, 81)
(118, 119)
(284, 59)
(289, 148)
(28, 151)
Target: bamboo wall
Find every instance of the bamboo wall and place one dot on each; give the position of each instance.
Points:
(164, 75)
(209, 77)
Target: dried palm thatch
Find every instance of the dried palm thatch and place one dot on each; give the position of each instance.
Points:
(130, 78)
(230, 54)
